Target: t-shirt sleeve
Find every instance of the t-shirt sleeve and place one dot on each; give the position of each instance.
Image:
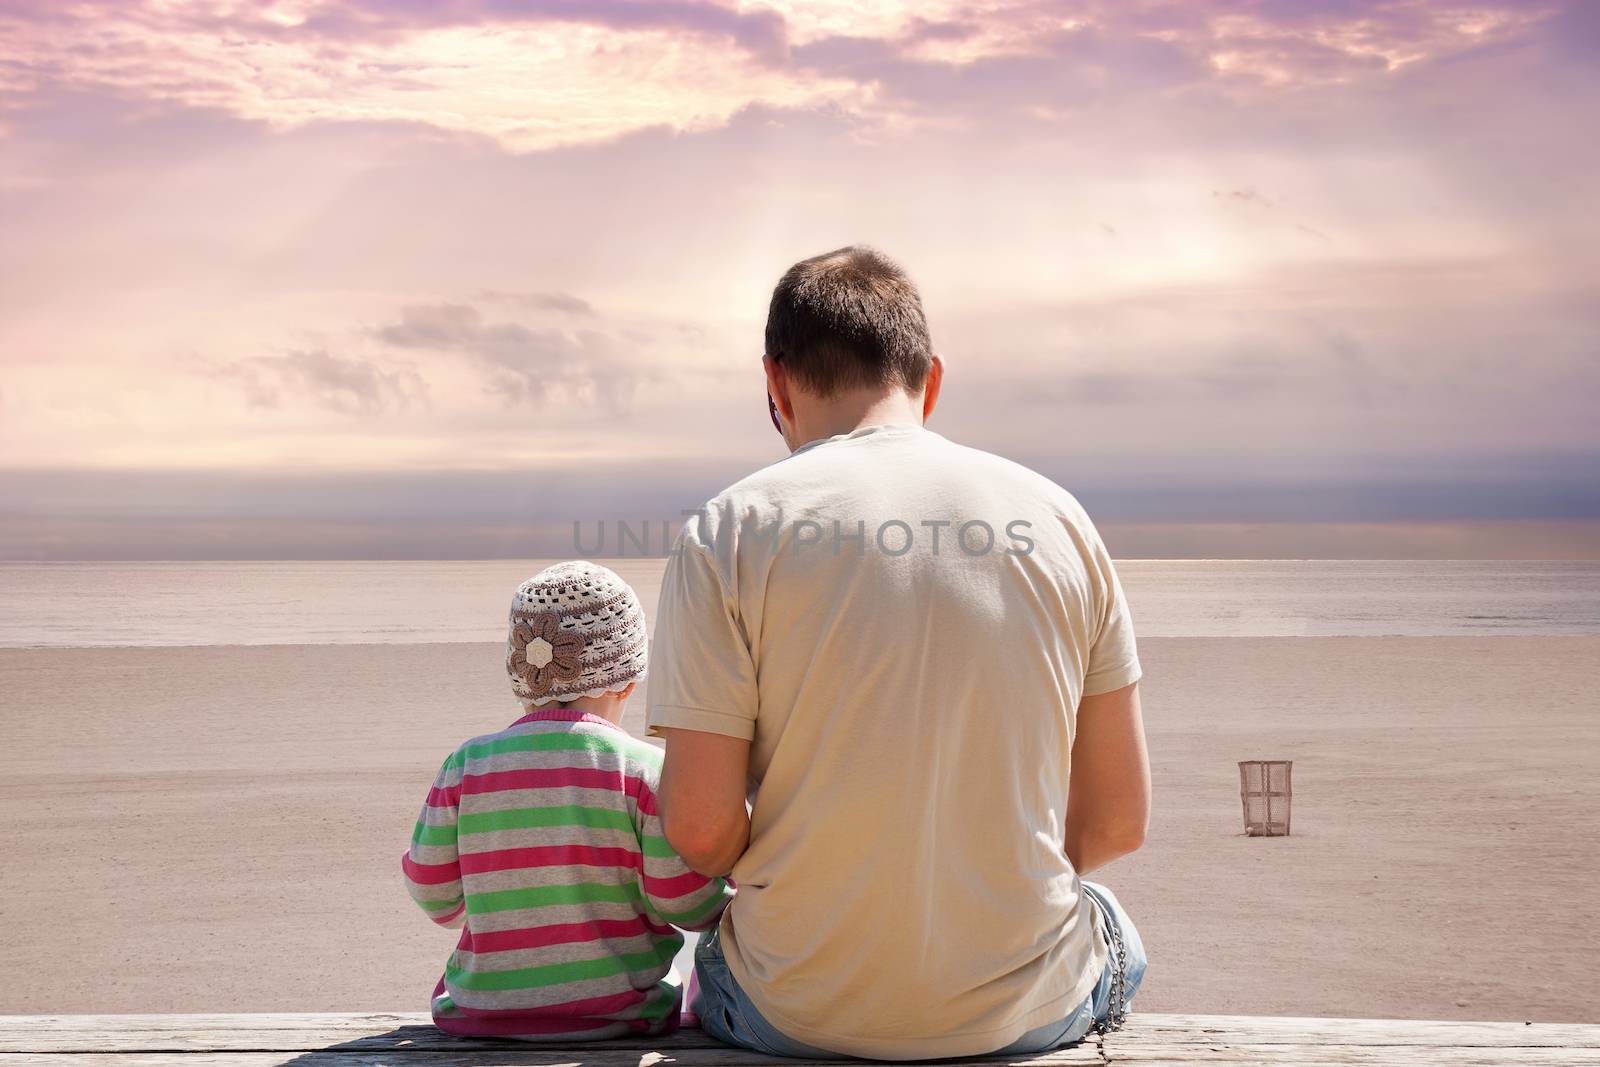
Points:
(701, 673)
(1113, 654)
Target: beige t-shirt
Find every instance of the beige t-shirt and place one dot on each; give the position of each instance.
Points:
(903, 627)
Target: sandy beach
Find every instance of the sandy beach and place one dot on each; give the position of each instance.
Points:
(219, 828)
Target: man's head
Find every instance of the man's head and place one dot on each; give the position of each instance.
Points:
(846, 336)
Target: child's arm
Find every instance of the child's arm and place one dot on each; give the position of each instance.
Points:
(432, 867)
(671, 890)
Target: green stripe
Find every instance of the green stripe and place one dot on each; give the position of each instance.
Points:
(439, 905)
(561, 973)
(655, 846)
(563, 815)
(547, 895)
(660, 1001)
(433, 835)
(557, 741)
(694, 915)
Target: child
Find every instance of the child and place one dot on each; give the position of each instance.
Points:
(543, 844)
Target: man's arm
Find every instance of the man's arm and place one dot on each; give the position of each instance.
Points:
(672, 890)
(1108, 797)
(702, 798)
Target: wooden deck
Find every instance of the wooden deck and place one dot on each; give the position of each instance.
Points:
(408, 1041)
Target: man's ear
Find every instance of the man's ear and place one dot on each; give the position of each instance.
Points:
(930, 388)
(778, 388)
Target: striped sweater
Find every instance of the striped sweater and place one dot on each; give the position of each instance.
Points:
(543, 844)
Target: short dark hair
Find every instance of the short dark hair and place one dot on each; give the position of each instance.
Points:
(847, 319)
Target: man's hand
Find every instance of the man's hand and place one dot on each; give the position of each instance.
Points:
(1108, 797)
(702, 796)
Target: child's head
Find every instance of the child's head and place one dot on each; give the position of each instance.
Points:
(577, 634)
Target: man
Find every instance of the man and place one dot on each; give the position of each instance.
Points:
(916, 659)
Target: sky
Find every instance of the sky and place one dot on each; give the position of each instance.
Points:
(443, 279)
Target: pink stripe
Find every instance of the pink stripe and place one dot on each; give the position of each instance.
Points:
(572, 1010)
(429, 873)
(444, 797)
(508, 859)
(547, 778)
(646, 799)
(576, 1015)
(556, 934)
(469, 1026)
(565, 715)
(442, 919)
(676, 886)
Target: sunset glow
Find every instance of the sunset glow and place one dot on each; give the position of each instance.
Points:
(1208, 264)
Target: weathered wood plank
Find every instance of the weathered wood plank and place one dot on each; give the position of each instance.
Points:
(1261, 1029)
(1151, 1040)
(307, 1031)
(272, 1032)
(1267, 1029)
(1139, 1053)
(1278, 1055)
(218, 1032)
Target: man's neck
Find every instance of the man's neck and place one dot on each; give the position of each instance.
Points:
(853, 411)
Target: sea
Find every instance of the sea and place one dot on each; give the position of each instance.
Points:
(93, 605)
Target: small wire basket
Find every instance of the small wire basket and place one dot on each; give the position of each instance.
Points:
(1264, 788)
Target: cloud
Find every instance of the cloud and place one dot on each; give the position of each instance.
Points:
(331, 21)
(759, 31)
(1052, 63)
(565, 303)
(1277, 240)
(1243, 196)
(536, 74)
(525, 365)
(1231, 379)
(531, 76)
(349, 386)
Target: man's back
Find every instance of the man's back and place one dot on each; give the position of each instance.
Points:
(909, 627)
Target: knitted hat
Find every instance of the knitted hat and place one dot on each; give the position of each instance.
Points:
(577, 630)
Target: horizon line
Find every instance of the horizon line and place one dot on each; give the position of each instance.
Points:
(511, 559)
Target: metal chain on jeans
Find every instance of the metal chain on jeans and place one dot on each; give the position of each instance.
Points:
(1117, 1006)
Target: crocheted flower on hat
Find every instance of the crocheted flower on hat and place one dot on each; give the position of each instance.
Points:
(541, 655)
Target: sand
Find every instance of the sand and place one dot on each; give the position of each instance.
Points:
(219, 829)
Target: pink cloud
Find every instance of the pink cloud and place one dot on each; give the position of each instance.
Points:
(1310, 236)
(533, 74)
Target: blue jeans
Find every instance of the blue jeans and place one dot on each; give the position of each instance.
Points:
(726, 1012)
